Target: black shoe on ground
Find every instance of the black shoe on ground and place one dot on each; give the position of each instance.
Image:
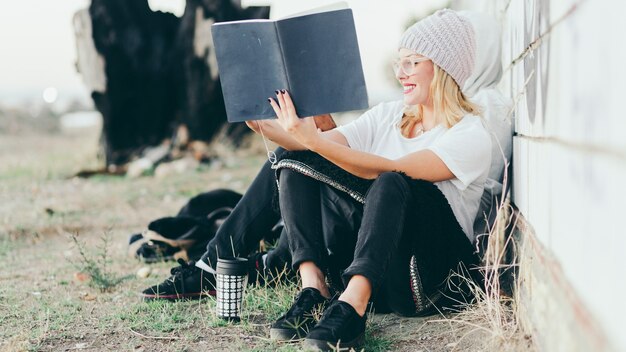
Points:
(187, 282)
(340, 328)
(299, 319)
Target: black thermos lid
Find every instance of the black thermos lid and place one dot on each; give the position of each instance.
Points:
(232, 266)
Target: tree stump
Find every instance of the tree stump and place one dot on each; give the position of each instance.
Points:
(159, 73)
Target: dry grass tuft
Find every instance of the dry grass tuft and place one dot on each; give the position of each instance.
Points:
(491, 319)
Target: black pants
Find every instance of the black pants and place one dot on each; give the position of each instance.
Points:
(400, 219)
(252, 217)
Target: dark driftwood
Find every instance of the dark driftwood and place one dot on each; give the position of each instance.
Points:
(155, 81)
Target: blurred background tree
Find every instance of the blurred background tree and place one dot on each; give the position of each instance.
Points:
(161, 83)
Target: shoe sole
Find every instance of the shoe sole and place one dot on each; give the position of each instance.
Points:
(178, 297)
(322, 345)
(278, 334)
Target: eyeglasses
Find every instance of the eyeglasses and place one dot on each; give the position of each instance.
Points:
(407, 64)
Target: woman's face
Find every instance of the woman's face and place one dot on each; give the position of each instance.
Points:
(416, 83)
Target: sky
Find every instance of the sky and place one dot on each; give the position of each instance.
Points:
(37, 47)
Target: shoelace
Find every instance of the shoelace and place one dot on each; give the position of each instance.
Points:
(333, 318)
(179, 272)
(302, 303)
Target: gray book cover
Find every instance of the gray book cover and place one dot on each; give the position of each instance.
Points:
(315, 56)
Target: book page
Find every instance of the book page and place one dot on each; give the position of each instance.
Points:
(243, 21)
(341, 5)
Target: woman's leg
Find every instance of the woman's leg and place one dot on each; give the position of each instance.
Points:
(433, 246)
(386, 205)
(300, 206)
(252, 217)
(341, 218)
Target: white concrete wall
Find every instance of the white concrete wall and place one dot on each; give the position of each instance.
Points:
(570, 150)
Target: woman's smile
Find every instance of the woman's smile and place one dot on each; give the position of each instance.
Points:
(408, 88)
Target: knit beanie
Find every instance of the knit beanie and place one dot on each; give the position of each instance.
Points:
(447, 39)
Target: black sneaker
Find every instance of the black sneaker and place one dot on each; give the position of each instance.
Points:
(341, 328)
(299, 319)
(187, 282)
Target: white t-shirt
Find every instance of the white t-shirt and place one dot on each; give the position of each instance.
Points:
(465, 148)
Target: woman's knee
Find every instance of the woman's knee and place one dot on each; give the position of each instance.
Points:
(390, 182)
(391, 179)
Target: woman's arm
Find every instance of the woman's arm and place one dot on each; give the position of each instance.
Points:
(423, 164)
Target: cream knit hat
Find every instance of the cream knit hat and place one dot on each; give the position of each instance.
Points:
(447, 39)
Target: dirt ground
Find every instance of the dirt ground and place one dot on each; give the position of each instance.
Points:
(44, 307)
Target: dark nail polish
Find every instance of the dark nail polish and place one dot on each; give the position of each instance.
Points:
(276, 92)
(283, 91)
(269, 100)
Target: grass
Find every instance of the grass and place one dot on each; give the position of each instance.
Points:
(157, 317)
(44, 308)
(6, 245)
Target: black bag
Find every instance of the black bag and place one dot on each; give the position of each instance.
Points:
(186, 234)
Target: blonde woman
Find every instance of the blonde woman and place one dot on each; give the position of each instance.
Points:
(385, 203)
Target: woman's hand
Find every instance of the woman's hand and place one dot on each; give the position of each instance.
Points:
(271, 130)
(322, 122)
(274, 131)
(254, 125)
(262, 126)
(302, 130)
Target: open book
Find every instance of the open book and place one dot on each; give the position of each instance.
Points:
(314, 56)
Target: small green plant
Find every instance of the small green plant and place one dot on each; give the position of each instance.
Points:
(5, 245)
(96, 264)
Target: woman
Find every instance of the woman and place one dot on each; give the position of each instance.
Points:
(426, 158)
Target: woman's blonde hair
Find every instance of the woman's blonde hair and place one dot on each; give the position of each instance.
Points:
(449, 103)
